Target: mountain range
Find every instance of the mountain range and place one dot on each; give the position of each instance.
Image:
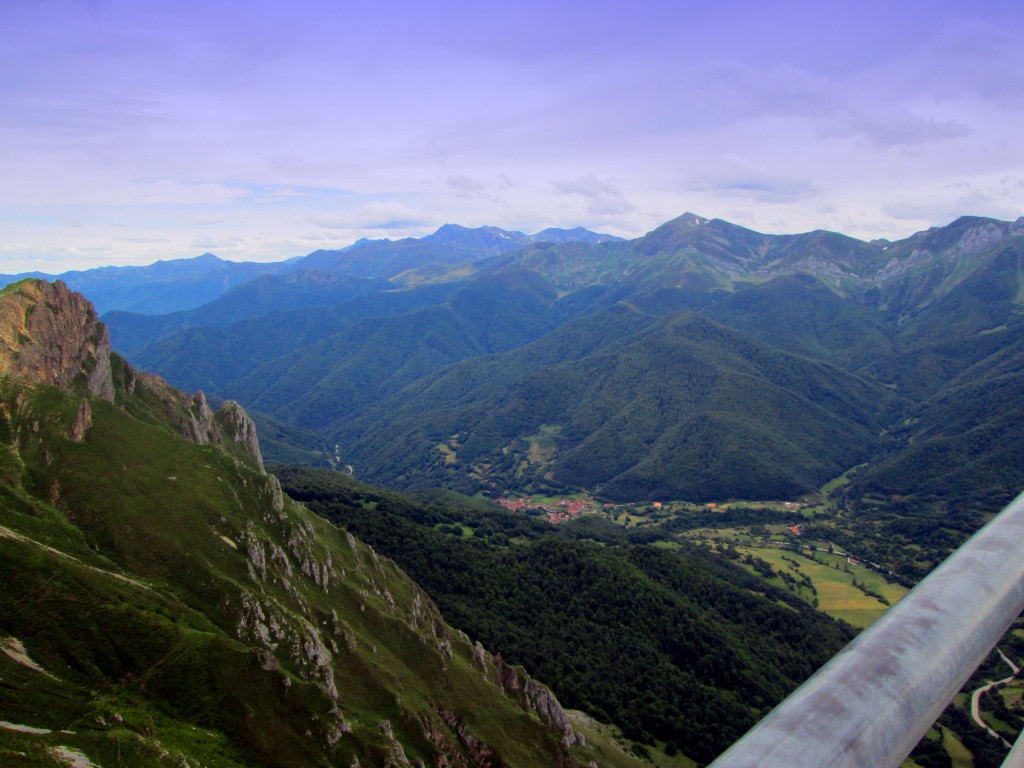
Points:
(701, 361)
(182, 284)
(165, 604)
(168, 600)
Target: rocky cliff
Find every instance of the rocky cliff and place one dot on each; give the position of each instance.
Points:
(51, 335)
(164, 604)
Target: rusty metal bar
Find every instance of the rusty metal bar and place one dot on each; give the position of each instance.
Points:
(871, 704)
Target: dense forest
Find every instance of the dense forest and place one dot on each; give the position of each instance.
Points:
(681, 647)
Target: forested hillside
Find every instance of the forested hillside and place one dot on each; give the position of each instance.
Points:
(165, 604)
(679, 646)
(545, 365)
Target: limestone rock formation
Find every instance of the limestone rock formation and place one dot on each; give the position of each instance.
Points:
(239, 427)
(51, 335)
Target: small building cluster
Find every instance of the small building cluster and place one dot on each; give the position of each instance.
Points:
(570, 510)
(560, 512)
(515, 506)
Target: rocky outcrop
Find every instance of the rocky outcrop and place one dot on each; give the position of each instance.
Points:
(536, 698)
(51, 335)
(236, 425)
(83, 421)
(457, 746)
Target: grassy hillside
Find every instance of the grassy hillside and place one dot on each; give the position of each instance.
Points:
(209, 356)
(677, 647)
(491, 382)
(173, 606)
(672, 408)
(335, 378)
(799, 314)
(293, 291)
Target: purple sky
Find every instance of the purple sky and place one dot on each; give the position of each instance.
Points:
(134, 131)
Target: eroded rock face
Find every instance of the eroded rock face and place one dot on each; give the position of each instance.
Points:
(51, 335)
(240, 427)
(83, 421)
(196, 421)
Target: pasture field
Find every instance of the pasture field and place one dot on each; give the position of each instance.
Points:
(833, 581)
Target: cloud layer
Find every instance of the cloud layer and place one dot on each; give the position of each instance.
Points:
(136, 131)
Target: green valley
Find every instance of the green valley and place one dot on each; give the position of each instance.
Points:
(165, 604)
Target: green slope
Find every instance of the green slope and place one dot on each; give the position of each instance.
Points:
(180, 608)
(210, 356)
(292, 291)
(801, 315)
(335, 378)
(679, 646)
(672, 408)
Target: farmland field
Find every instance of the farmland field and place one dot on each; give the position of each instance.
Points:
(833, 579)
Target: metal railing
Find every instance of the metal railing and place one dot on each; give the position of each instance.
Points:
(871, 704)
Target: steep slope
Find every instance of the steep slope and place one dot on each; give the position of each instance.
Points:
(676, 644)
(165, 604)
(691, 252)
(209, 357)
(694, 253)
(674, 408)
(930, 264)
(334, 379)
(298, 290)
(958, 449)
(963, 447)
(799, 314)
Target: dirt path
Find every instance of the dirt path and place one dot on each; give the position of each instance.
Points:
(73, 757)
(976, 699)
(6, 532)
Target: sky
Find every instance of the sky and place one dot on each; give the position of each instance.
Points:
(136, 131)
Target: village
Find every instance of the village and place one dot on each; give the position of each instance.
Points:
(555, 511)
(562, 509)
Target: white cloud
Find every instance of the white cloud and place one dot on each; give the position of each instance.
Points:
(602, 197)
(734, 176)
(465, 184)
(377, 216)
(1002, 198)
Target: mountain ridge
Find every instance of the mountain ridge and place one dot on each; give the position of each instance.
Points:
(191, 612)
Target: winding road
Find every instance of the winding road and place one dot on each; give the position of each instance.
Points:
(976, 698)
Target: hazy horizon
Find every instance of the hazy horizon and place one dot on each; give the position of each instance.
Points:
(259, 132)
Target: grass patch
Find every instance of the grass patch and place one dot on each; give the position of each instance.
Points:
(836, 594)
(543, 444)
(957, 752)
(450, 456)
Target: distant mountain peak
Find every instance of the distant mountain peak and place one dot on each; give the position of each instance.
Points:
(203, 259)
(458, 233)
(689, 220)
(574, 235)
(446, 230)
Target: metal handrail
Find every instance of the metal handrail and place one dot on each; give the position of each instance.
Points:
(871, 704)
(1016, 757)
